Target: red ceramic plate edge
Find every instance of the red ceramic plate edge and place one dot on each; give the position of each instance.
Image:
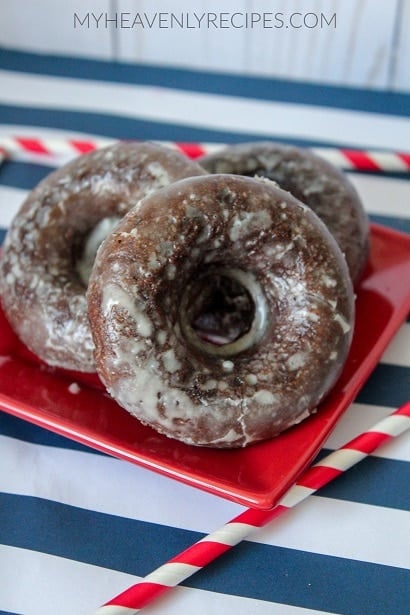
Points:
(239, 495)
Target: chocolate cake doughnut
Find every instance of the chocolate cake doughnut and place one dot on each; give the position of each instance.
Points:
(222, 311)
(312, 180)
(51, 244)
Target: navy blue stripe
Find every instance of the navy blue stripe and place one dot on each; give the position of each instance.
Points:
(364, 487)
(26, 175)
(2, 235)
(23, 175)
(375, 481)
(13, 427)
(262, 88)
(120, 127)
(257, 571)
(7, 613)
(399, 224)
(388, 385)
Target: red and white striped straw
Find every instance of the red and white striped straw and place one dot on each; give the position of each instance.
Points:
(194, 558)
(349, 159)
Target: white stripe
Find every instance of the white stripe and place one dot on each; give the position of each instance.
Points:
(398, 351)
(386, 160)
(342, 459)
(230, 534)
(115, 487)
(383, 195)
(207, 110)
(65, 587)
(334, 156)
(171, 574)
(10, 202)
(114, 610)
(295, 495)
(393, 425)
(61, 586)
(342, 529)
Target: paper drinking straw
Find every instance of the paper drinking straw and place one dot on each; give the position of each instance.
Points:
(348, 159)
(201, 553)
(35, 146)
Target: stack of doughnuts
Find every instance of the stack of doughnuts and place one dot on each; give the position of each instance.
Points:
(215, 304)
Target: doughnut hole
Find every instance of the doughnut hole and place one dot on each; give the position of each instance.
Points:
(223, 311)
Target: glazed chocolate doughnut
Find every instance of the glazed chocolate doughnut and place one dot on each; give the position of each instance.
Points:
(312, 180)
(51, 244)
(221, 310)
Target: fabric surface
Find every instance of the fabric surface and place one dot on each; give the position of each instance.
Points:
(78, 526)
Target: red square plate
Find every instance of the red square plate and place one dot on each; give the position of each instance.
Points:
(256, 476)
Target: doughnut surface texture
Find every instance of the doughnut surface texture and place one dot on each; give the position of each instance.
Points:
(50, 246)
(285, 289)
(312, 180)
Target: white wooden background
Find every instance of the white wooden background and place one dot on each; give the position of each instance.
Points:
(370, 46)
